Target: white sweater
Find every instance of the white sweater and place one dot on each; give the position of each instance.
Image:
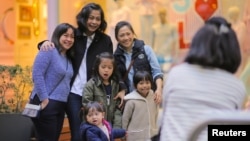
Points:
(191, 92)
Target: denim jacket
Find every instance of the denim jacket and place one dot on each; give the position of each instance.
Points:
(124, 58)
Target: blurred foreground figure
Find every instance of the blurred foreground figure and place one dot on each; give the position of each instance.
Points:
(204, 83)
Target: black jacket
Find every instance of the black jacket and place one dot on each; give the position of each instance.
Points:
(101, 43)
(138, 55)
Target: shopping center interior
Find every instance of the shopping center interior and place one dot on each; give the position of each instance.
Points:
(24, 23)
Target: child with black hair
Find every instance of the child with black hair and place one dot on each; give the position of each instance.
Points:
(141, 112)
(96, 128)
(103, 87)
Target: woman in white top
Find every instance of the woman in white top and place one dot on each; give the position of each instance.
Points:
(205, 83)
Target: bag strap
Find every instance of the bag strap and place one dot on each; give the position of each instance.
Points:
(129, 67)
(57, 85)
(59, 81)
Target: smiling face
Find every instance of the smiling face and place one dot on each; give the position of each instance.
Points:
(143, 87)
(67, 40)
(93, 22)
(106, 68)
(125, 37)
(95, 117)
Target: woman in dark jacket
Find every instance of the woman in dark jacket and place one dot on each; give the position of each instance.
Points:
(133, 55)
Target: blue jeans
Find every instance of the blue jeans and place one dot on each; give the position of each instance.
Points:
(74, 105)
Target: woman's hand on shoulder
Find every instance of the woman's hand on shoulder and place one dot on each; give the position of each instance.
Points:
(158, 91)
(47, 45)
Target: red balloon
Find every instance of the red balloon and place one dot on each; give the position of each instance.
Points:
(206, 8)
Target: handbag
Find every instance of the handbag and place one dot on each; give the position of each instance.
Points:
(31, 110)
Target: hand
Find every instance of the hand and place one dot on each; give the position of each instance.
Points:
(44, 103)
(158, 96)
(247, 105)
(120, 95)
(47, 45)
